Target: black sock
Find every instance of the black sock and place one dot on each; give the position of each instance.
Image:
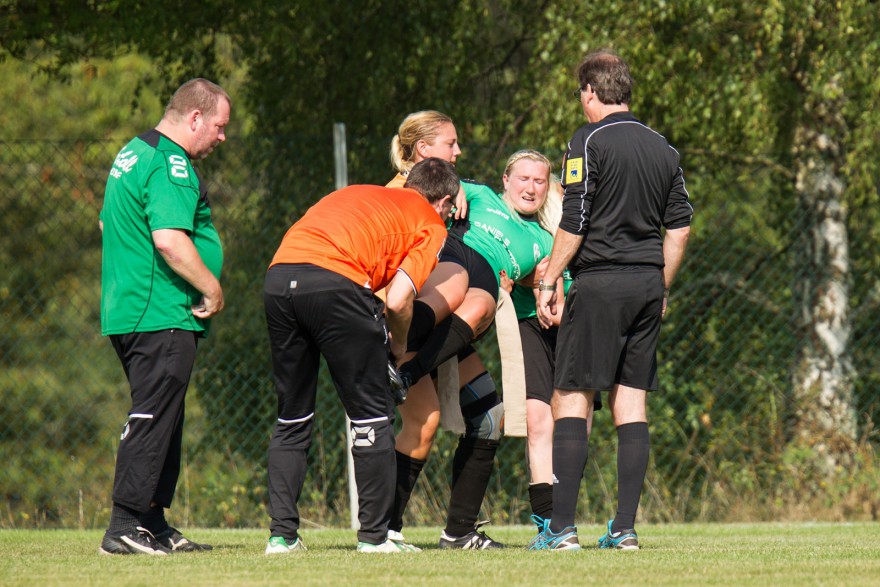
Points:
(154, 520)
(633, 449)
(569, 461)
(471, 469)
(451, 336)
(420, 326)
(122, 519)
(466, 352)
(408, 470)
(541, 498)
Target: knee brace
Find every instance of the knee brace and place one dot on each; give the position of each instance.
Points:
(482, 408)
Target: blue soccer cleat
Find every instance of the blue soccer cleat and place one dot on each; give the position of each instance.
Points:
(622, 540)
(547, 540)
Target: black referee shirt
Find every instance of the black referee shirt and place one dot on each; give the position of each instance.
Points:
(623, 183)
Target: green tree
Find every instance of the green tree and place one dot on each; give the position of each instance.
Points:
(768, 353)
(783, 92)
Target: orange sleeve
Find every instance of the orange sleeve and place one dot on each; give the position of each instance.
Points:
(423, 256)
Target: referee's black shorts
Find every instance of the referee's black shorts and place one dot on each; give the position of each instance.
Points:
(609, 332)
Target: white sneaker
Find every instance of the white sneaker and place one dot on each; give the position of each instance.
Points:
(387, 547)
(278, 545)
(396, 536)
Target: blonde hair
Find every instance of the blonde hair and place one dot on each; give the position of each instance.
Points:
(418, 126)
(551, 209)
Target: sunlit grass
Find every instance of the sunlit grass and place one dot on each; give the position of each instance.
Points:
(681, 554)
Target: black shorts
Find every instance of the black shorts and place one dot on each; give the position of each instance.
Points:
(609, 332)
(539, 347)
(313, 312)
(480, 273)
(539, 350)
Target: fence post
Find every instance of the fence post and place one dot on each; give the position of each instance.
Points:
(341, 168)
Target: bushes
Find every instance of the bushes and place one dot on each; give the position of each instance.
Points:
(720, 425)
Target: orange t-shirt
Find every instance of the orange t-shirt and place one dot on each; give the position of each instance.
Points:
(367, 233)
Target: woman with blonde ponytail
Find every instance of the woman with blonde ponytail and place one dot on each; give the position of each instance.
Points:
(424, 134)
(456, 305)
(421, 135)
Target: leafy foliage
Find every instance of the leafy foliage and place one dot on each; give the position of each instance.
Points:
(732, 85)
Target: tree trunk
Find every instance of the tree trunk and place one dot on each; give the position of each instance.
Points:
(823, 374)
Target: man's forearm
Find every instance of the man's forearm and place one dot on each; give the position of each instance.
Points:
(565, 245)
(398, 311)
(180, 253)
(398, 324)
(674, 245)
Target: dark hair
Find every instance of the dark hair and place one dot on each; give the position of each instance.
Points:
(433, 178)
(608, 76)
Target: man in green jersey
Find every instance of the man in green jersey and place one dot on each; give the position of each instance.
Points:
(159, 288)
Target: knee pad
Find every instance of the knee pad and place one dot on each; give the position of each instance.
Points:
(482, 408)
(371, 435)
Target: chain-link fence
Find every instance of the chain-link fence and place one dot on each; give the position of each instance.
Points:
(721, 425)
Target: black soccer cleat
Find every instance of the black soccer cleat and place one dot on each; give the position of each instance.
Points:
(399, 383)
(174, 541)
(133, 541)
(473, 540)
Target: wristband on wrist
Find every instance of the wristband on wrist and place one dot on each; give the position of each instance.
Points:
(546, 286)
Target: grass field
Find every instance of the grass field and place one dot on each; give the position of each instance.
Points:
(681, 554)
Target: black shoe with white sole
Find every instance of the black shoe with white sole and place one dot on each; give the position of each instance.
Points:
(473, 540)
(174, 541)
(133, 541)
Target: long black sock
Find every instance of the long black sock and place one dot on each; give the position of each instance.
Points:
(569, 461)
(471, 469)
(633, 450)
(408, 470)
(154, 520)
(451, 336)
(541, 498)
(123, 518)
(420, 326)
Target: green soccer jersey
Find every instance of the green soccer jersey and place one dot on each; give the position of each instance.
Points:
(524, 301)
(152, 186)
(507, 241)
(522, 296)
